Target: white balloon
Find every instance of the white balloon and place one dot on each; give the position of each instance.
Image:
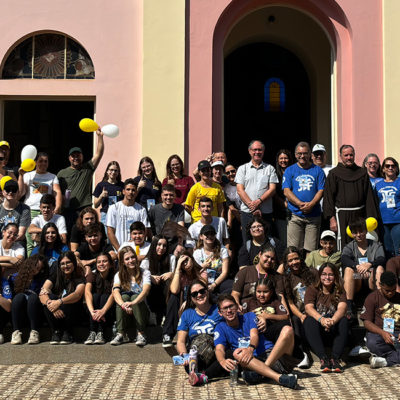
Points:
(110, 130)
(29, 151)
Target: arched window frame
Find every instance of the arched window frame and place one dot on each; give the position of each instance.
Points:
(267, 95)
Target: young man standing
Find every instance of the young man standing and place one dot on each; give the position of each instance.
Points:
(219, 224)
(13, 211)
(167, 210)
(303, 185)
(239, 333)
(381, 314)
(122, 214)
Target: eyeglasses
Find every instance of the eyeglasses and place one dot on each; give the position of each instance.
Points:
(227, 308)
(64, 264)
(205, 169)
(372, 163)
(317, 153)
(201, 292)
(389, 166)
(327, 275)
(231, 172)
(113, 170)
(257, 228)
(302, 154)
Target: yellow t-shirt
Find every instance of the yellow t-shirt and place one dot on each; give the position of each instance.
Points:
(197, 191)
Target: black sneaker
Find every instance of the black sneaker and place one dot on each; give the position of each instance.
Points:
(55, 337)
(289, 381)
(166, 341)
(325, 365)
(336, 366)
(66, 338)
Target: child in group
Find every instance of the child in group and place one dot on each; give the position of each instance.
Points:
(327, 253)
(137, 242)
(46, 207)
(131, 286)
(362, 261)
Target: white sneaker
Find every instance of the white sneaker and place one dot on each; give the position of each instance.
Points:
(34, 337)
(119, 339)
(377, 362)
(305, 362)
(91, 338)
(140, 340)
(16, 337)
(359, 351)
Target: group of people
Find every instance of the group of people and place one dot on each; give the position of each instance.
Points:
(253, 267)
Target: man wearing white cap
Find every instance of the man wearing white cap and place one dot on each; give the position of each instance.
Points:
(319, 158)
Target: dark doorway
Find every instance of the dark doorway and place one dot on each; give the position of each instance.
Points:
(51, 126)
(247, 70)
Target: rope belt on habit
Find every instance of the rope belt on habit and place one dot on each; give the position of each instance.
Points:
(337, 209)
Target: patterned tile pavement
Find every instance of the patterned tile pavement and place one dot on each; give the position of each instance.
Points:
(164, 381)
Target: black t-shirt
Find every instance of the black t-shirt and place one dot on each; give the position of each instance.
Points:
(77, 236)
(150, 191)
(87, 254)
(114, 193)
(67, 286)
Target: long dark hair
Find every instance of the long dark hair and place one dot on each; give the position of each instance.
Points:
(338, 288)
(26, 272)
(393, 160)
(279, 170)
(119, 178)
(61, 282)
(154, 177)
(189, 300)
(43, 245)
(158, 265)
(169, 169)
(195, 272)
(104, 285)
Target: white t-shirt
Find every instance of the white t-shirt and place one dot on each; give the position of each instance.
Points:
(59, 220)
(219, 225)
(121, 217)
(200, 255)
(172, 262)
(135, 287)
(16, 250)
(38, 185)
(143, 250)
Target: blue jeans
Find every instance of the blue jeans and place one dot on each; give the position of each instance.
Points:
(391, 239)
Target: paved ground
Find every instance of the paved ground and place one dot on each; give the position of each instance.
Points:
(126, 372)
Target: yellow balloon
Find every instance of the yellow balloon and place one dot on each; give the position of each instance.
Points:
(88, 125)
(348, 231)
(371, 223)
(3, 181)
(28, 165)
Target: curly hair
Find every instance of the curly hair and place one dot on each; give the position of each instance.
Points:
(338, 288)
(125, 274)
(26, 272)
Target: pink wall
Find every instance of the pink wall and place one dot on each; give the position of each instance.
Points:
(113, 37)
(355, 30)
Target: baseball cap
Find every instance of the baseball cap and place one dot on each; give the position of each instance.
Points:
(207, 229)
(318, 147)
(328, 233)
(10, 184)
(75, 150)
(217, 164)
(203, 164)
(4, 143)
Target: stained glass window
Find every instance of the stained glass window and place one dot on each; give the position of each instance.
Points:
(48, 56)
(274, 95)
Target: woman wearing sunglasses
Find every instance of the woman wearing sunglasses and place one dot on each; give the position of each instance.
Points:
(196, 327)
(388, 192)
(326, 322)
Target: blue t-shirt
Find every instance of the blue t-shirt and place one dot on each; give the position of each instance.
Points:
(304, 183)
(6, 289)
(34, 287)
(196, 324)
(229, 336)
(52, 255)
(374, 181)
(389, 200)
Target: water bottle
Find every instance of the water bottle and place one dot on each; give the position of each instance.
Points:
(234, 373)
(67, 196)
(114, 329)
(193, 359)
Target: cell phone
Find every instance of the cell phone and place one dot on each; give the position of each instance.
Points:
(180, 360)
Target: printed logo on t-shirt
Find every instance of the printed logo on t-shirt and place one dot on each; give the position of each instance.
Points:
(282, 308)
(363, 310)
(208, 326)
(216, 335)
(306, 182)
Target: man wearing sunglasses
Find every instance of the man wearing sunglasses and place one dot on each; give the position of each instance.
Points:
(13, 211)
(239, 333)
